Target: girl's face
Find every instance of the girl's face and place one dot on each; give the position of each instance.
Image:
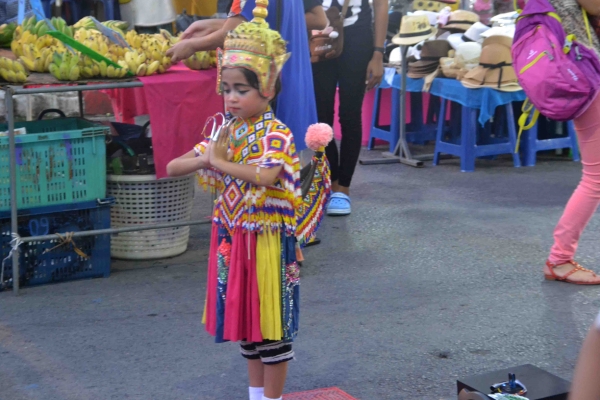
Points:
(241, 99)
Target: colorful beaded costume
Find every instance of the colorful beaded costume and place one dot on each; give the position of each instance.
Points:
(253, 275)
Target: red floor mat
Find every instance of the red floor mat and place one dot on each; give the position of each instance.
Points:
(320, 394)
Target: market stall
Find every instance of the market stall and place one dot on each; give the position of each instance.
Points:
(56, 214)
(178, 103)
(463, 57)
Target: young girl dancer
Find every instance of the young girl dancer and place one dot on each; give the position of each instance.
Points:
(253, 275)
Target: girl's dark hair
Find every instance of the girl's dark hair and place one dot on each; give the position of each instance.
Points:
(253, 81)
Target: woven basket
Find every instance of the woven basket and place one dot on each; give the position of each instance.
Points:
(143, 199)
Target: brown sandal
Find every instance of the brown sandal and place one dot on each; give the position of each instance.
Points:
(565, 278)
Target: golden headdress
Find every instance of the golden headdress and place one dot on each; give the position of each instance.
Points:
(256, 47)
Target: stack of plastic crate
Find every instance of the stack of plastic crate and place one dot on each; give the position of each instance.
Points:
(60, 189)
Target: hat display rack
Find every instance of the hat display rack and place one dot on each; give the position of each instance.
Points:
(466, 37)
(413, 30)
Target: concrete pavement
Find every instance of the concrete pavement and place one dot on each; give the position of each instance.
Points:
(437, 274)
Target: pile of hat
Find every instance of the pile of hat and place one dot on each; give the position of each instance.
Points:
(435, 6)
(457, 45)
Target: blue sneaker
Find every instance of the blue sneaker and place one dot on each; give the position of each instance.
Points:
(339, 204)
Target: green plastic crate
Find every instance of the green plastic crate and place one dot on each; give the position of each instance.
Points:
(58, 161)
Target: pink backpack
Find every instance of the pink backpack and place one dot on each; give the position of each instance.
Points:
(560, 76)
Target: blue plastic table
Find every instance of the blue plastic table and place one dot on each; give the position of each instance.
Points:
(473, 101)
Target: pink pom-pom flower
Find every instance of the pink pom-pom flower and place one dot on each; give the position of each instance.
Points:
(318, 135)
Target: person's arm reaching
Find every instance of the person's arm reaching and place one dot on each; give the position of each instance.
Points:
(316, 18)
(187, 47)
(375, 68)
(202, 27)
(586, 385)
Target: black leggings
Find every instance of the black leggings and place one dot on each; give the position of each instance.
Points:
(348, 72)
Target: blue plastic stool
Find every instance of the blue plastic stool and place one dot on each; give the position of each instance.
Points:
(474, 142)
(389, 133)
(530, 144)
(417, 130)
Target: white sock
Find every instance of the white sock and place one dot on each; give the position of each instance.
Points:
(268, 398)
(256, 393)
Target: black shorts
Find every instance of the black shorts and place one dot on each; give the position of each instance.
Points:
(270, 352)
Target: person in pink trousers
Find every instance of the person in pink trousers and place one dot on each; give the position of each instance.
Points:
(583, 203)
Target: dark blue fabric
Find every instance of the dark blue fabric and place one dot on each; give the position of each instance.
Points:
(485, 99)
(291, 291)
(296, 103)
(221, 290)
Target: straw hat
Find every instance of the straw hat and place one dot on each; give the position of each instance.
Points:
(495, 67)
(431, 52)
(433, 5)
(431, 15)
(464, 59)
(467, 55)
(473, 34)
(461, 20)
(413, 29)
(447, 66)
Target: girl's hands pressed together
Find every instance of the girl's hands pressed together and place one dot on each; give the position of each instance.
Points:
(206, 155)
(219, 150)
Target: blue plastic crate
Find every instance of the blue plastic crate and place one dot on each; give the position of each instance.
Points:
(62, 263)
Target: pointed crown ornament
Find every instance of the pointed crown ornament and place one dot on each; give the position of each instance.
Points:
(256, 47)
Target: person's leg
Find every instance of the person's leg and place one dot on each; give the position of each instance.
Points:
(275, 376)
(358, 50)
(256, 371)
(275, 356)
(581, 206)
(586, 385)
(325, 80)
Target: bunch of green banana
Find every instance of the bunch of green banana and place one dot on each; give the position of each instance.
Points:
(40, 28)
(65, 67)
(36, 60)
(29, 24)
(61, 26)
(12, 71)
(199, 60)
(110, 72)
(119, 26)
(7, 32)
(85, 23)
